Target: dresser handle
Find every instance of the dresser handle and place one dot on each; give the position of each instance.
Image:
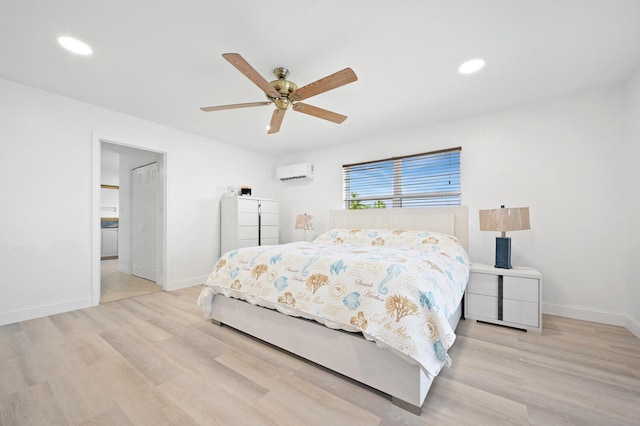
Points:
(500, 296)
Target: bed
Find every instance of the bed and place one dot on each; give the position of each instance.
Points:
(348, 300)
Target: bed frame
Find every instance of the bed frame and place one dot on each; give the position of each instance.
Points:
(356, 358)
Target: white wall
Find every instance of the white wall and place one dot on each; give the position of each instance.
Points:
(109, 166)
(632, 154)
(46, 165)
(561, 158)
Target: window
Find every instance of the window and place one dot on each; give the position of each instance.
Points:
(421, 180)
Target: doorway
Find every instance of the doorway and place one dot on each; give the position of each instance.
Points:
(115, 278)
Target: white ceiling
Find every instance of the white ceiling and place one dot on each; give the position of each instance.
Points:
(160, 60)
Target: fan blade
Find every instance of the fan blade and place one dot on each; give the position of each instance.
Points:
(319, 112)
(233, 106)
(276, 121)
(243, 66)
(325, 84)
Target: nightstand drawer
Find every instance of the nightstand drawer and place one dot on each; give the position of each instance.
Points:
(486, 284)
(513, 311)
(518, 288)
(518, 312)
(479, 305)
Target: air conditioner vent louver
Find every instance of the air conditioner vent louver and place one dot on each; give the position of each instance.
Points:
(295, 171)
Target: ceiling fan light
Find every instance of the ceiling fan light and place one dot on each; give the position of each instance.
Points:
(75, 45)
(471, 66)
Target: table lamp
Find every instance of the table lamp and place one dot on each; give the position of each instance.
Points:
(503, 220)
(304, 222)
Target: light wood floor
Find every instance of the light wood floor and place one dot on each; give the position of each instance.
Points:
(115, 285)
(154, 360)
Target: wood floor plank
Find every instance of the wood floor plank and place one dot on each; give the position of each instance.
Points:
(578, 399)
(18, 364)
(292, 400)
(146, 357)
(35, 405)
(486, 372)
(453, 402)
(68, 373)
(203, 364)
(214, 404)
(112, 417)
(154, 360)
(138, 398)
(242, 342)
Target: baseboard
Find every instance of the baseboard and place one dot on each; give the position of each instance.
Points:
(595, 315)
(190, 282)
(633, 325)
(43, 311)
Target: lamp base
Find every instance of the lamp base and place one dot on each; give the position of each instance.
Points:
(503, 253)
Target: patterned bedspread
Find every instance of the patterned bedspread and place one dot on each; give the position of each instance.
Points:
(396, 287)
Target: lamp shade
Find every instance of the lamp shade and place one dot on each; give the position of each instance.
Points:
(304, 222)
(505, 219)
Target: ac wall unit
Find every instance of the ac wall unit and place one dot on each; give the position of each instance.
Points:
(295, 171)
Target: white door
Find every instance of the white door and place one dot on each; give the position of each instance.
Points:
(144, 221)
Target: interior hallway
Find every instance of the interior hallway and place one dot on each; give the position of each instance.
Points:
(115, 285)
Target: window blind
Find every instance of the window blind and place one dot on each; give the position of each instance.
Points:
(419, 180)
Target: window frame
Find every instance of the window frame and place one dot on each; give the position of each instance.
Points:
(399, 198)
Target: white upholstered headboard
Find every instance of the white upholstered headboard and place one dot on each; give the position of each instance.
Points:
(452, 220)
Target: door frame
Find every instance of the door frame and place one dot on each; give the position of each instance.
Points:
(162, 267)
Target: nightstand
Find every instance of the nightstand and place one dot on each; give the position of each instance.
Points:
(511, 297)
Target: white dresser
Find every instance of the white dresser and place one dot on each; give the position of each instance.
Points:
(248, 221)
(510, 297)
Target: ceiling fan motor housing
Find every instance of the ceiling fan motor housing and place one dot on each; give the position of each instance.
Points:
(284, 87)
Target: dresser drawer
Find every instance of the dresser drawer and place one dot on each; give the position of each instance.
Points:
(268, 232)
(247, 219)
(251, 242)
(248, 205)
(248, 232)
(269, 219)
(269, 207)
(270, 241)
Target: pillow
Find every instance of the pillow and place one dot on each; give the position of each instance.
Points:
(386, 238)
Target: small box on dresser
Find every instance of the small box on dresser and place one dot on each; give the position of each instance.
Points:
(510, 297)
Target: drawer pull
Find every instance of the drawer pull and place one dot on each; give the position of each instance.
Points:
(500, 296)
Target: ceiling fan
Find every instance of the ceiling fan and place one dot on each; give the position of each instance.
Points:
(284, 93)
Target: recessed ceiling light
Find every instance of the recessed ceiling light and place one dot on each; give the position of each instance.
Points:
(471, 66)
(75, 45)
